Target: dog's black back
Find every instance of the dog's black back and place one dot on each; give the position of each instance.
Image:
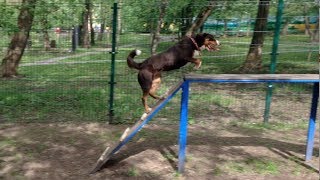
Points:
(173, 58)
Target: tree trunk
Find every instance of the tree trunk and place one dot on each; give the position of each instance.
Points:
(186, 20)
(92, 34)
(103, 22)
(19, 40)
(315, 37)
(201, 18)
(307, 26)
(285, 28)
(254, 57)
(85, 25)
(46, 39)
(225, 27)
(101, 32)
(119, 23)
(156, 33)
(313, 33)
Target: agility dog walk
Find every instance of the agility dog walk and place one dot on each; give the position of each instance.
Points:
(215, 78)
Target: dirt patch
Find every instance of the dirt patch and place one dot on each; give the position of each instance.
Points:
(215, 151)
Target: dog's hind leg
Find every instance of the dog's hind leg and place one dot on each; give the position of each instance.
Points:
(145, 81)
(144, 102)
(155, 86)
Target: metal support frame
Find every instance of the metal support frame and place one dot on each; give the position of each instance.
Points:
(183, 132)
(312, 121)
(184, 111)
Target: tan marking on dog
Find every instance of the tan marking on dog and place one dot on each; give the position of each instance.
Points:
(154, 87)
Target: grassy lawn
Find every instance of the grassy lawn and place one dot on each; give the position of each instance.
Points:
(74, 89)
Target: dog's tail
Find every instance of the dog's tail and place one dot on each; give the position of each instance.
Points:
(131, 63)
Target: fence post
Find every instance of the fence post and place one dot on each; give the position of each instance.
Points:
(73, 40)
(274, 54)
(113, 57)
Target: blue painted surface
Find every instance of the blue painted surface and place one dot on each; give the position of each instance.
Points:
(312, 121)
(183, 132)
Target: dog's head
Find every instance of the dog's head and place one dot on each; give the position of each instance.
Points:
(208, 42)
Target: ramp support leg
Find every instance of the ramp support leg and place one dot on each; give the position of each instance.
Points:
(183, 126)
(312, 122)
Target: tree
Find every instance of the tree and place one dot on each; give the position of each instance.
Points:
(313, 33)
(84, 34)
(186, 17)
(156, 33)
(253, 61)
(201, 18)
(41, 12)
(19, 40)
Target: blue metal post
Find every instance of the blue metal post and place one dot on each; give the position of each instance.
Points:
(183, 132)
(312, 121)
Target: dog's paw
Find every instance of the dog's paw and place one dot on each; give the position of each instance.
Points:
(198, 65)
(164, 96)
(144, 115)
(148, 110)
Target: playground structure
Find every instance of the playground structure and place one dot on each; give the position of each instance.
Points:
(220, 78)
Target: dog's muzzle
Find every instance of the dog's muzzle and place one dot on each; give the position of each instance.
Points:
(213, 46)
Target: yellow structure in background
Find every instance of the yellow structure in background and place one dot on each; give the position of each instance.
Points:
(302, 27)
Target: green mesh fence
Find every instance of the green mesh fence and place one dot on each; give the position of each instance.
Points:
(66, 83)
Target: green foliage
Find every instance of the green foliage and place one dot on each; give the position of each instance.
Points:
(8, 20)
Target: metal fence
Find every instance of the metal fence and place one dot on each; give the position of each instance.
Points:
(71, 83)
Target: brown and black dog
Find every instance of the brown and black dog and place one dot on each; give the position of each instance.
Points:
(173, 58)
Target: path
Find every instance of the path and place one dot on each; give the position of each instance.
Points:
(57, 59)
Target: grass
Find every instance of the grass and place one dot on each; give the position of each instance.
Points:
(276, 126)
(133, 172)
(80, 91)
(254, 165)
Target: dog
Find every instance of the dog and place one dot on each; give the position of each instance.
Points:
(149, 76)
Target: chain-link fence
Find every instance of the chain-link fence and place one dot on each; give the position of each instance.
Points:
(64, 80)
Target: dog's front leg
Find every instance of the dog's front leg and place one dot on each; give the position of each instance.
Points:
(197, 62)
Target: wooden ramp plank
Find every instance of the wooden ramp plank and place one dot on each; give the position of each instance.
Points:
(312, 78)
(129, 133)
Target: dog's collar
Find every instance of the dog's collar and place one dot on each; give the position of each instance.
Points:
(195, 43)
